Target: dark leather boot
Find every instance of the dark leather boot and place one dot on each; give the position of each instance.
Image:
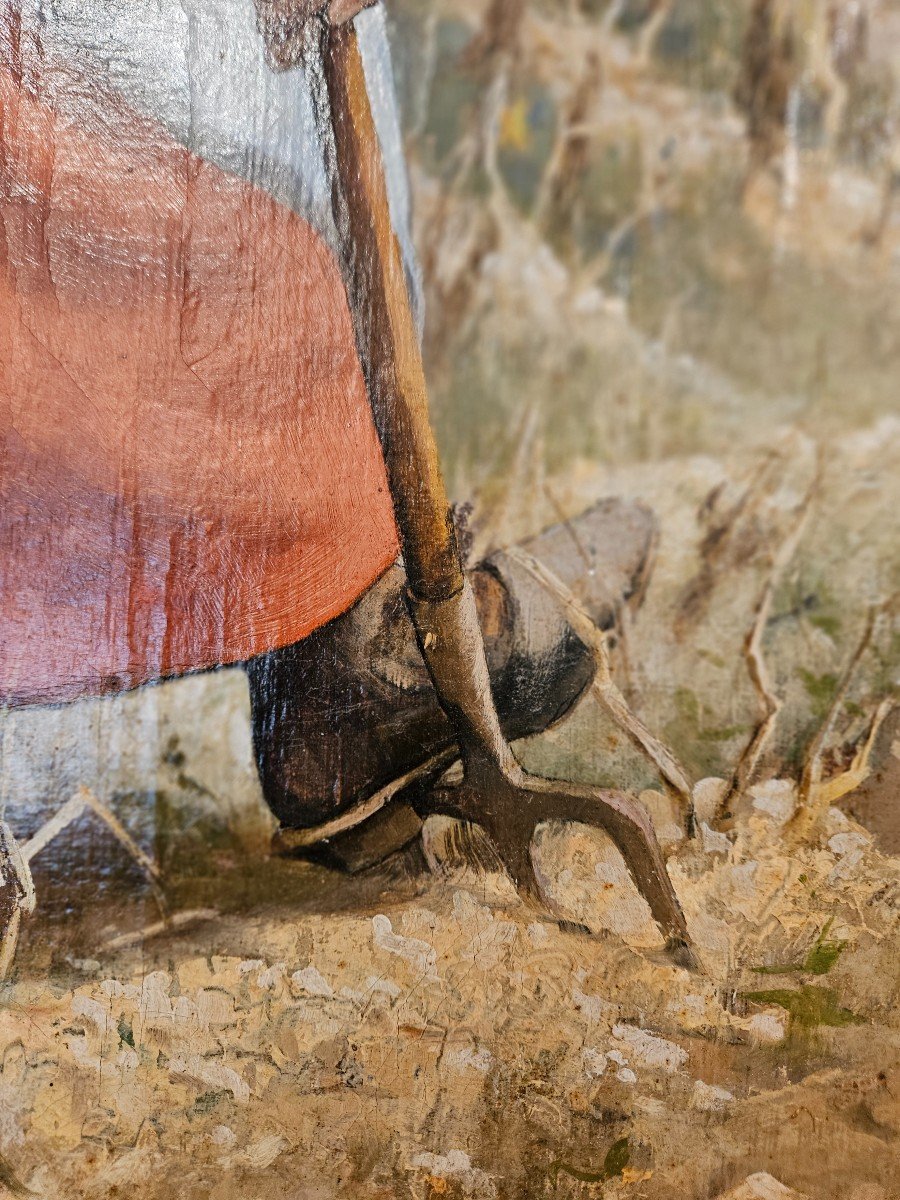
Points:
(351, 708)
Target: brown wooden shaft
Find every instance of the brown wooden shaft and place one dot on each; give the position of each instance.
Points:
(386, 334)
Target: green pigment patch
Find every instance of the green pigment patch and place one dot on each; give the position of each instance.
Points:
(828, 624)
(695, 735)
(617, 1158)
(823, 953)
(820, 689)
(820, 958)
(809, 1007)
(206, 1102)
(126, 1033)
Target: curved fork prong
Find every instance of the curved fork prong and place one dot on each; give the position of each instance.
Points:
(627, 823)
(510, 809)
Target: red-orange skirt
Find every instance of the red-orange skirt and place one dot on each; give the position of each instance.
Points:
(189, 472)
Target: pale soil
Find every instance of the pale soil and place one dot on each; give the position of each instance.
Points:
(446, 1041)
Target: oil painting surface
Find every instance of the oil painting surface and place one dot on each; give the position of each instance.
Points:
(449, 642)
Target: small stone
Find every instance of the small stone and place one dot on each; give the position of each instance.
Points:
(765, 1027)
(86, 965)
(271, 976)
(263, 1153)
(649, 1050)
(595, 1008)
(456, 1165)
(776, 798)
(470, 1058)
(845, 843)
(762, 1186)
(538, 933)
(312, 982)
(594, 1062)
(709, 1098)
(419, 953)
(713, 841)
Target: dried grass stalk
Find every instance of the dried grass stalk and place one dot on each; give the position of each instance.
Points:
(769, 701)
(812, 767)
(70, 811)
(18, 858)
(603, 686)
(9, 943)
(816, 795)
(179, 920)
(118, 830)
(298, 839)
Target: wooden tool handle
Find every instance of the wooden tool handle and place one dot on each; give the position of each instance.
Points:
(386, 335)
